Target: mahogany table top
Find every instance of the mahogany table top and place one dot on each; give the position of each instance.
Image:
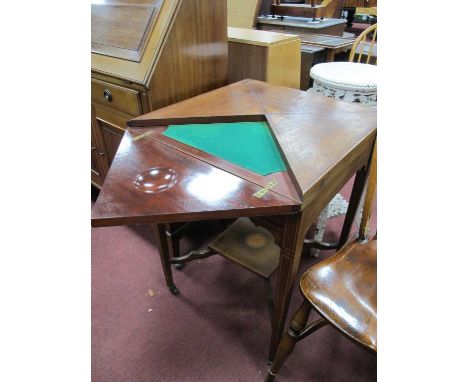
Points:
(155, 179)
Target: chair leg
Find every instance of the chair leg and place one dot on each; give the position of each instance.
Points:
(269, 298)
(288, 342)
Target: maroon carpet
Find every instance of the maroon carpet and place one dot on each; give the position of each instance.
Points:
(216, 330)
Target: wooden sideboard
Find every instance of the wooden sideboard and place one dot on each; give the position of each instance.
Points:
(266, 56)
(147, 55)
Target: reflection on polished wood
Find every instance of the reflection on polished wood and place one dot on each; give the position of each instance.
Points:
(347, 282)
(323, 143)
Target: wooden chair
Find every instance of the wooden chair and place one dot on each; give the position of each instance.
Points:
(367, 49)
(341, 289)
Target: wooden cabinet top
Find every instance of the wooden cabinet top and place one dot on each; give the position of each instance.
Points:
(299, 22)
(127, 36)
(327, 41)
(259, 37)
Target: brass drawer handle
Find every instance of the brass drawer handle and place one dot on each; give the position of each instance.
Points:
(93, 148)
(101, 153)
(108, 95)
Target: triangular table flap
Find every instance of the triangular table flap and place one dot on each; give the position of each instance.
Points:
(236, 101)
(314, 143)
(149, 182)
(281, 99)
(246, 100)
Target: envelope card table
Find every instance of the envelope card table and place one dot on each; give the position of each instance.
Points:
(158, 177)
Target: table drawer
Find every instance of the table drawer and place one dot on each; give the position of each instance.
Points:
(116, 97)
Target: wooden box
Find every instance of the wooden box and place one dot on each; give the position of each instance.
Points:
(266, 56)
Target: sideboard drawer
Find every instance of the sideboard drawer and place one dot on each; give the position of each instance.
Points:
(116, 97)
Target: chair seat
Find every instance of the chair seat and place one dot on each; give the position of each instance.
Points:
(343, 289)
(346, 76)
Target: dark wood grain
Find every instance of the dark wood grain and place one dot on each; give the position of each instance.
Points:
(310, 55)
(99, 165)
(349, 277)
(247, 61)
(111, 137)
(194, 58)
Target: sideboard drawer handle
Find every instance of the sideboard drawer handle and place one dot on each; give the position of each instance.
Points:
(108, 95)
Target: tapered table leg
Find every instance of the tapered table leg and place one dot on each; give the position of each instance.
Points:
(288, 342)
(356, 193)
(291, 248)
(161, 241)
(174, 246)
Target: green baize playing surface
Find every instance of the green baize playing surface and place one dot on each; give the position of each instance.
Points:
(246, 144)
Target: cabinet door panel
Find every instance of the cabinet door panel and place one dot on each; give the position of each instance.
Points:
(94, 165)
(112, 137)
(98, 166)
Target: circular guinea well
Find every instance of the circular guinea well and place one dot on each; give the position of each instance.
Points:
(156, 179)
